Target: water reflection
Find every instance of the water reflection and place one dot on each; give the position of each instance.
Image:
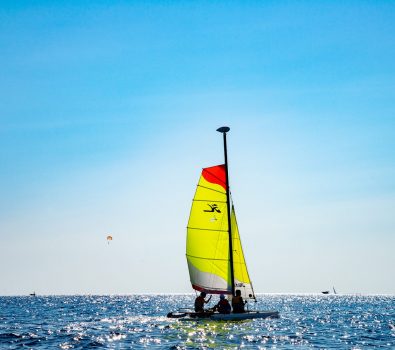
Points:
(139, 322)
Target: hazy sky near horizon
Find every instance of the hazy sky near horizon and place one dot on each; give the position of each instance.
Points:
(108, 113)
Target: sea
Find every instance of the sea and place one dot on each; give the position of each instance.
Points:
(140, 322)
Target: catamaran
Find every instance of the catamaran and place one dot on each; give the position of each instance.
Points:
(214, 252)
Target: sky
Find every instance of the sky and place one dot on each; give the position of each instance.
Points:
(108, 112)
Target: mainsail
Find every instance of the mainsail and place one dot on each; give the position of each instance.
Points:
(207, 248)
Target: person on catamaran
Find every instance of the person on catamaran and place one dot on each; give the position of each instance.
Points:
(223, 306)
(200, 301)
(238, 303)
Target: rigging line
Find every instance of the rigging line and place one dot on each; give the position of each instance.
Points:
(205, 229)
(199, 257)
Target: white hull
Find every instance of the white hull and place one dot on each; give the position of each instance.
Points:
(245, 316)
(249, 315)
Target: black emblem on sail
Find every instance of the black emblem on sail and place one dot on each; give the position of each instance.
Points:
(213, 208)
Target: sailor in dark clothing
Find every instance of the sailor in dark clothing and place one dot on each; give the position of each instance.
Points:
(223, 306)
(200, 301)
(238, 303)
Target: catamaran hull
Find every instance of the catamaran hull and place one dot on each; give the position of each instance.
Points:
(245, 316)
(193, 316)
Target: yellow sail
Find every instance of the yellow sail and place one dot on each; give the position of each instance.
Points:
(207, 247)
(242, 279)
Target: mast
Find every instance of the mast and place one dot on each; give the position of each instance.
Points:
(224, 130)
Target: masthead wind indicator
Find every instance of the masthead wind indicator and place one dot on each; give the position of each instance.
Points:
(223, 129)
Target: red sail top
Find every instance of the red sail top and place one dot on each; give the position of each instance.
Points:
(215, 174)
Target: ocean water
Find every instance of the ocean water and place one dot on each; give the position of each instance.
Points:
(139, 322)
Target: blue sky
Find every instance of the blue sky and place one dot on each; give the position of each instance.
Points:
(108, 112)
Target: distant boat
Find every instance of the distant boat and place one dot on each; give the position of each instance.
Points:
(33, 294)
(328, 292)
(214, 253)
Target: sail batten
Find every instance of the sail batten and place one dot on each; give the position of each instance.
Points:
(202, 258)
(210, 189)
(207, 249)
(205, 229)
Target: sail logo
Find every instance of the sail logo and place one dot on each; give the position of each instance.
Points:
(213, 208)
